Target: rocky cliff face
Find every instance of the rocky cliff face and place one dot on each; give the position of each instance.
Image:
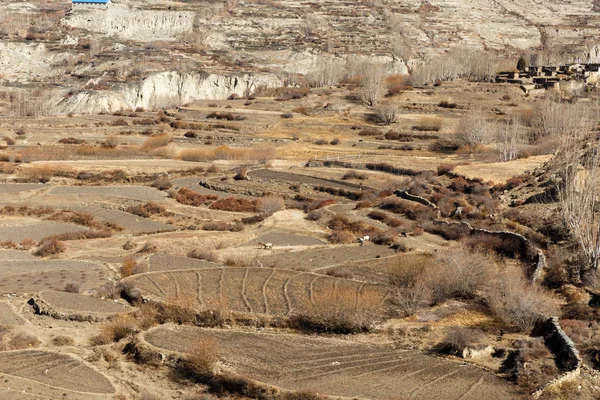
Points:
(26, 62)
(137, 25)
(166, 89)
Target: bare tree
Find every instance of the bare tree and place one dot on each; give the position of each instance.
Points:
(373, 83)
(510, 138)
(578, 196)
(386, 114)
(475, 129)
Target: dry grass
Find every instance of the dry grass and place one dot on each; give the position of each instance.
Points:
(116, 329)
(202, 357)
(155, 142)
(50, 247)
(341, 311)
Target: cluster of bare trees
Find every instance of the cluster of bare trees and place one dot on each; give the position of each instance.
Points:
(457, 63)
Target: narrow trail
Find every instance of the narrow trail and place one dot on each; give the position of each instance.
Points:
(244, 297)
(264, 291)
(199, 294)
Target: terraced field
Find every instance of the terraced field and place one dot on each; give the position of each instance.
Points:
(142, 193)
(287, 239)
(268, 174)
(193, 183)
(8, 315)
(313, 259)
(339, 367)
(129, 222)
(167, 262)
(42, 374)
(30, 276)
(13, 255)
(8, 188)
(17, 229)
(253, 290)
(74, 303)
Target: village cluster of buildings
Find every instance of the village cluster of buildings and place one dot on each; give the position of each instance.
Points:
(534, 80)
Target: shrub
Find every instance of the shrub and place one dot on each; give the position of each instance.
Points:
(162, 183)
(287, 115)
(352, 174)
(458, 273)
(428, 124)
(443, 169)
(314, 215)
(448, 231)
(130, 266)
(335, 142)
(458, 338)
(116, 329)
(241, 175)
(321, 142)
(223, 226)
(192, 198)
(72, 287)
(233, 204)
(412, 210)
(204, 254)
(516, 302)
(342, 223)
(147, 209)
(270, 204)
(342, 236)
(23, 340)
(318, 204)
(410, 299)
(49, 247)
(385, 114)
(202, 358)
(255, 219)
(154, 142)
(62, 340)
(447, 104)
(340, 311)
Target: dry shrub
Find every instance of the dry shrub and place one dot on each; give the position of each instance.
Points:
(62, 340)
(410, 299)
(236, 226)
(233, 204)
(49, 247)
(87, 234)
(114, 330)
(128, 266)
(192, 198)
(22, 340)
(396, 84)
(343, 223)
(147, 209)
(409, 268)
(341, 311)
(515, 301)
(448, 231)
(72, 287)
(203, 254)
(443, 169)
(317, 204)
(352, 174)
(241, 175)
(342, 236)
(428, 124)
(202, 357)
(270, 204)
(458, 339)
(162, 183)
(154, 142)
(412, 210)
(314, 215)
(37, 173)
(458, 273)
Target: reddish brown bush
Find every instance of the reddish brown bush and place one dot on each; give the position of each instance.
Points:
(443, 169)
(412, 210)
(342, 236)
(147, 209)
(448, 231)
(233, 204)
(223, 226)
(342, 223)
(49, 247)
(191, 198)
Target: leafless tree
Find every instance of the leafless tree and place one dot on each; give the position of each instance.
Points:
(372, 83)
(578, 196)
(510, 138)
(386, 114)
(475, 129)
(411, 299)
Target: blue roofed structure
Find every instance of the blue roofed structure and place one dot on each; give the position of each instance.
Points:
(97, 4)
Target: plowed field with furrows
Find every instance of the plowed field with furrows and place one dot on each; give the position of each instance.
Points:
(52, 375)
(142, 193)
(339, 367)
(18, 229)
(167, 262)
(75, 302)
(253, 290)
(34, 275)
(130, 222)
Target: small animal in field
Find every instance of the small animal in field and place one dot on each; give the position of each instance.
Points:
(362, 240)
(266, 246)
